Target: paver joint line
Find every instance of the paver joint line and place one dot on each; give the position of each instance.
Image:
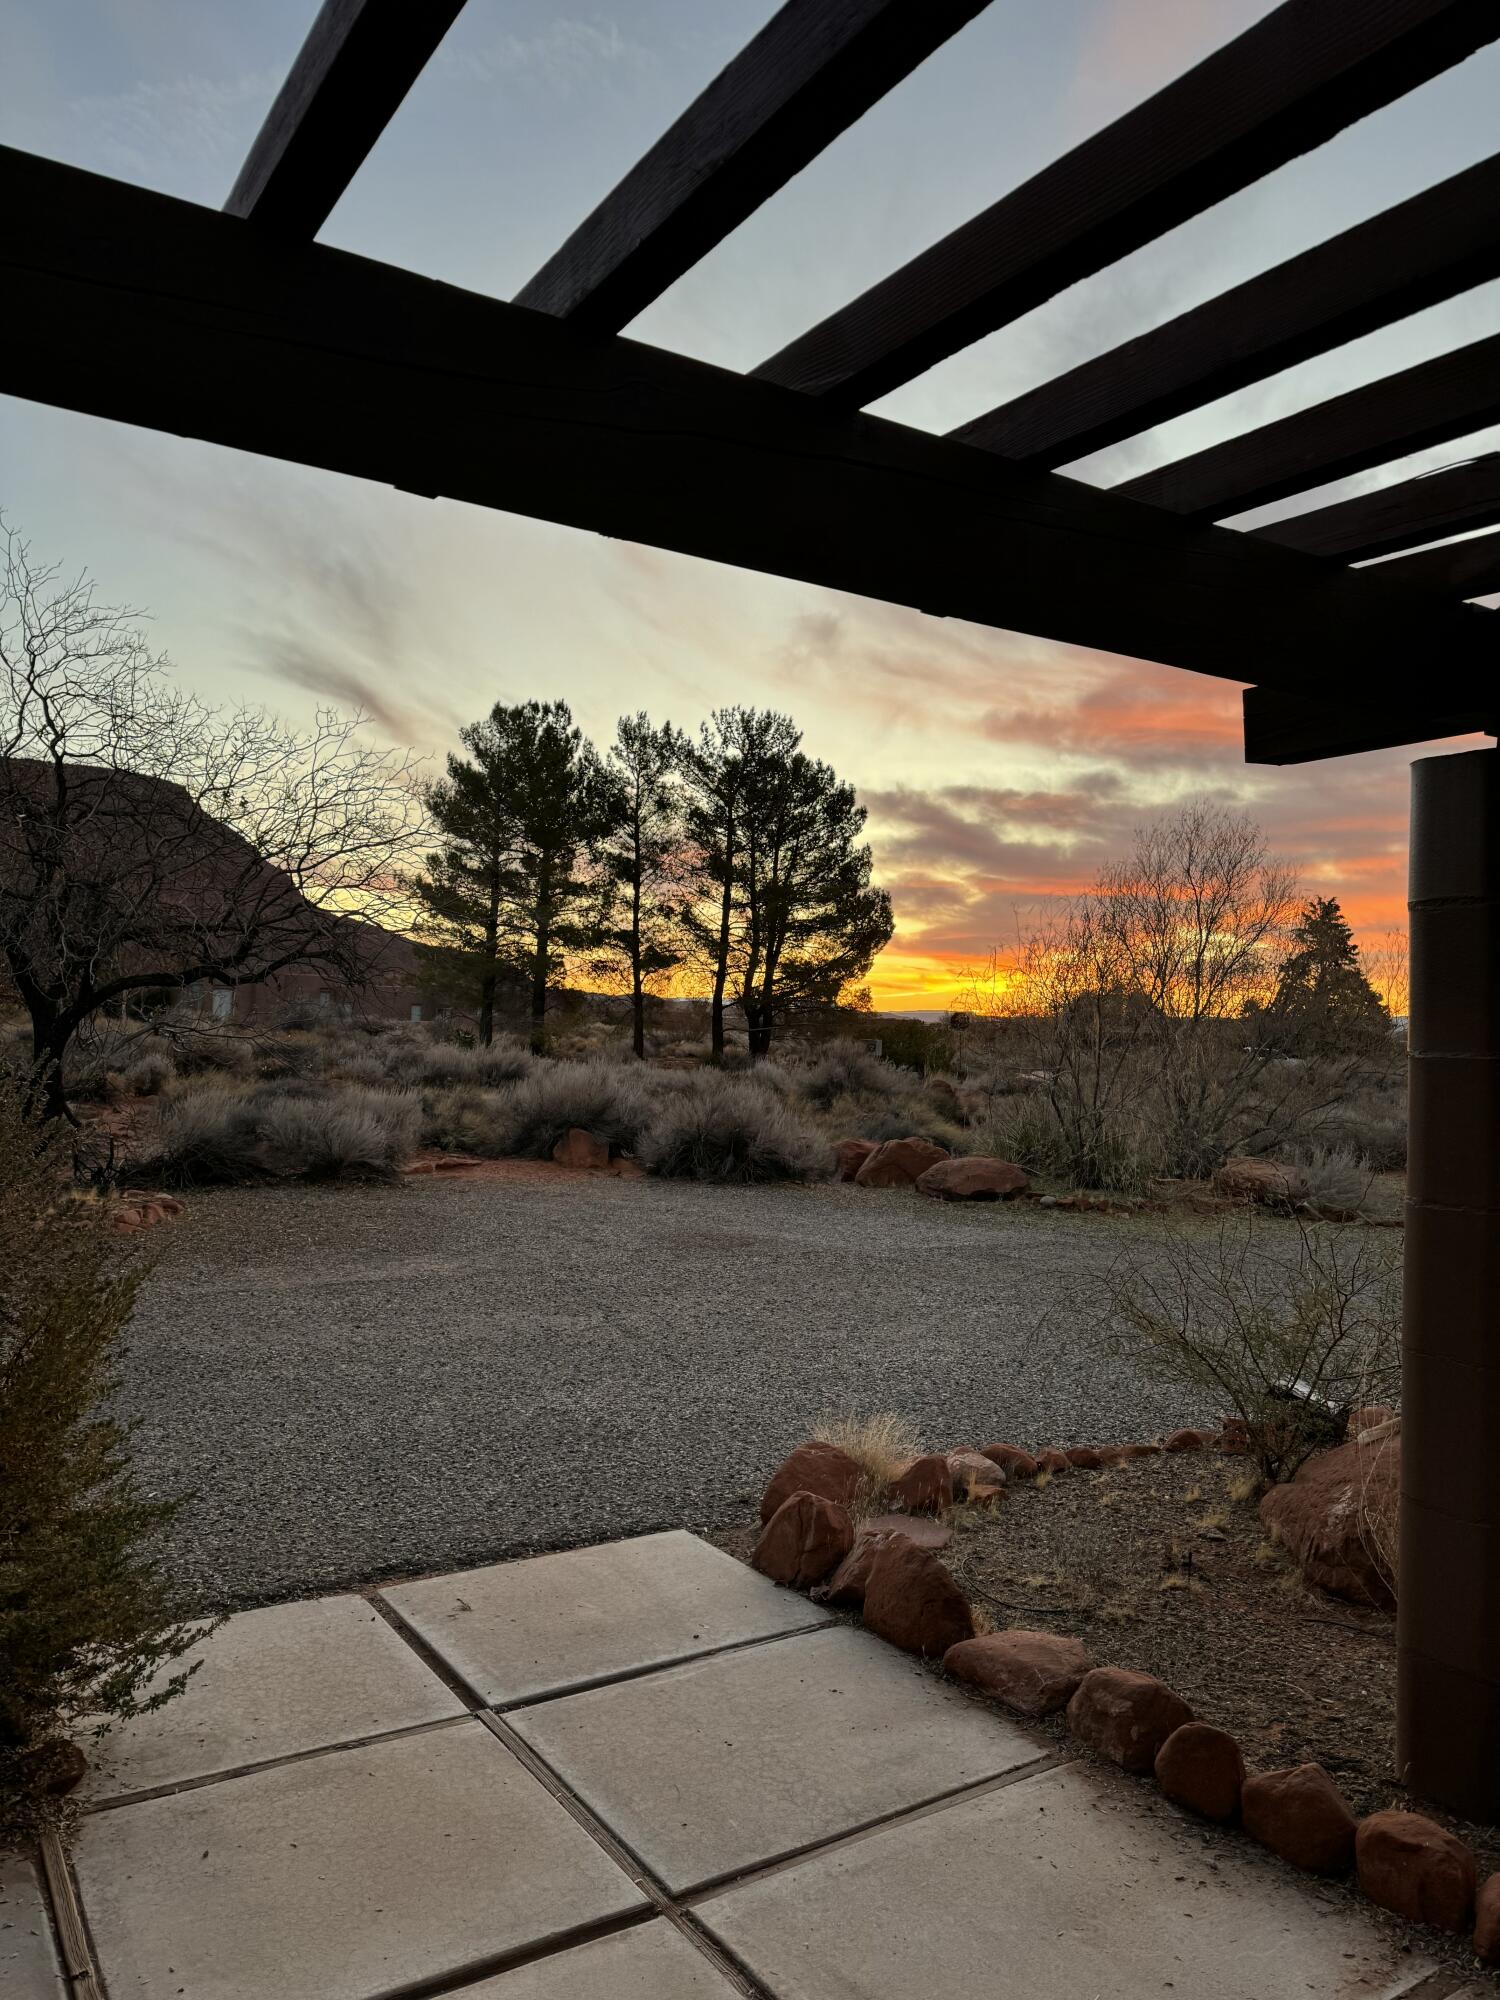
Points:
(433, 1661)
(92, 1806)
(656, 1667)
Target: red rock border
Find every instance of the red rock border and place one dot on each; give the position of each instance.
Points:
(1402, 1861)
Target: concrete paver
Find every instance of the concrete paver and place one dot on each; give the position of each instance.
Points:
(514, 1631)
(293, 1677)
(342, 1876)
(651, 1962)
(29, 1966)
(1057, 1884)
(713, 1767)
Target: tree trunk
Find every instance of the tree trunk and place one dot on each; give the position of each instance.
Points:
(637, 980)
(487, 1006)
(721, 962)
(44, 1089)
(761, 1024)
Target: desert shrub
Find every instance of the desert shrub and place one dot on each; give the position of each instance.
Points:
(1289, 1341)
(97, 1057)
(608, 1099)
(1371, 1121)
(296, 1127)
(354, 1131)
(87, 1618)
(847, 1070)
(150, 1073)
(203, 1051)
(730, 1129)
(504, 1061)
(911, 1116)
(1336, 1179)
(467, 1121)
(918, 1045)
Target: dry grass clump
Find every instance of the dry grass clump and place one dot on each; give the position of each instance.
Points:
(881, 1443)
(846, 1070)
(504, 1061)
(219, 1134)
(726, 1128)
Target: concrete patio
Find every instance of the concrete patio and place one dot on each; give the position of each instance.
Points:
(639, 1772)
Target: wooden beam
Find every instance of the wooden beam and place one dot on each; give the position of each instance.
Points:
(1433, 403)
(1284, 86)
(1284, 728)
(1455, 569)
(357, 64)
(1453, 501)
(1436, 245)
(816, 67)
(151, 311)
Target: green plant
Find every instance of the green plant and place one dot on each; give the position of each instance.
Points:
(89, 1624)
(1288, 1339)
(732, 1129)
(918, 1045)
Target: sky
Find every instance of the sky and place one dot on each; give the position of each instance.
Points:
(1000, 771)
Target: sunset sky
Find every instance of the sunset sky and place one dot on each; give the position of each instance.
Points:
(999, 770)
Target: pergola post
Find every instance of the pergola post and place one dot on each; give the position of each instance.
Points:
(1448, 1632)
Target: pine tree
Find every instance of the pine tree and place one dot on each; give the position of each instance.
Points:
(643, 861)
(813, 921)
(520, 818)
(1323, 998)
(789, 916)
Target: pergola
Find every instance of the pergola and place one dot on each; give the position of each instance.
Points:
(239, 328)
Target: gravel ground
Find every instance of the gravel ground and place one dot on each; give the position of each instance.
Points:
(367, 1381)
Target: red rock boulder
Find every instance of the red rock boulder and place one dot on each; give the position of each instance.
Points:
(1324, 1514)
(976, 1478)
(851, 1155)
(1200, 1767)
(899, 1163)
(1012, 1461)
(1083, 1457)
(1034, 1673)
(1051, 1461)
(577, 1148)
(924, 1485)
(1487, 1921)
(850, 1580)
(911, 1599)
(1190, 1441)
(54, 1767)
(918, 1528)
(1369, 1417)
(824, 1469)
(1125, 1716)
(1301, 1815)
(1409, 1864)
(804, 1539)
(973, 1179)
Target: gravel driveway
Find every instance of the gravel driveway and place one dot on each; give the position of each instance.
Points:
(357, 1382)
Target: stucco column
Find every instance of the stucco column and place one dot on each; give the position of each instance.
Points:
(1448, 1623)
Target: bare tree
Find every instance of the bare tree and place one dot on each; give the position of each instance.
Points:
(150, 841)
(1139, 1005)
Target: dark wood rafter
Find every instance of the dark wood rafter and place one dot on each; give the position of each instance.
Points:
(1433, 403)
(360, 59)
(1430, 248)
(1452, 501)
(152, 311)
(1284, 86)
(1283, 728)
(1455, 569)
(814, 69)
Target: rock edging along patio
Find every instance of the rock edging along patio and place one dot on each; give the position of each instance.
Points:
(813, 1540)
